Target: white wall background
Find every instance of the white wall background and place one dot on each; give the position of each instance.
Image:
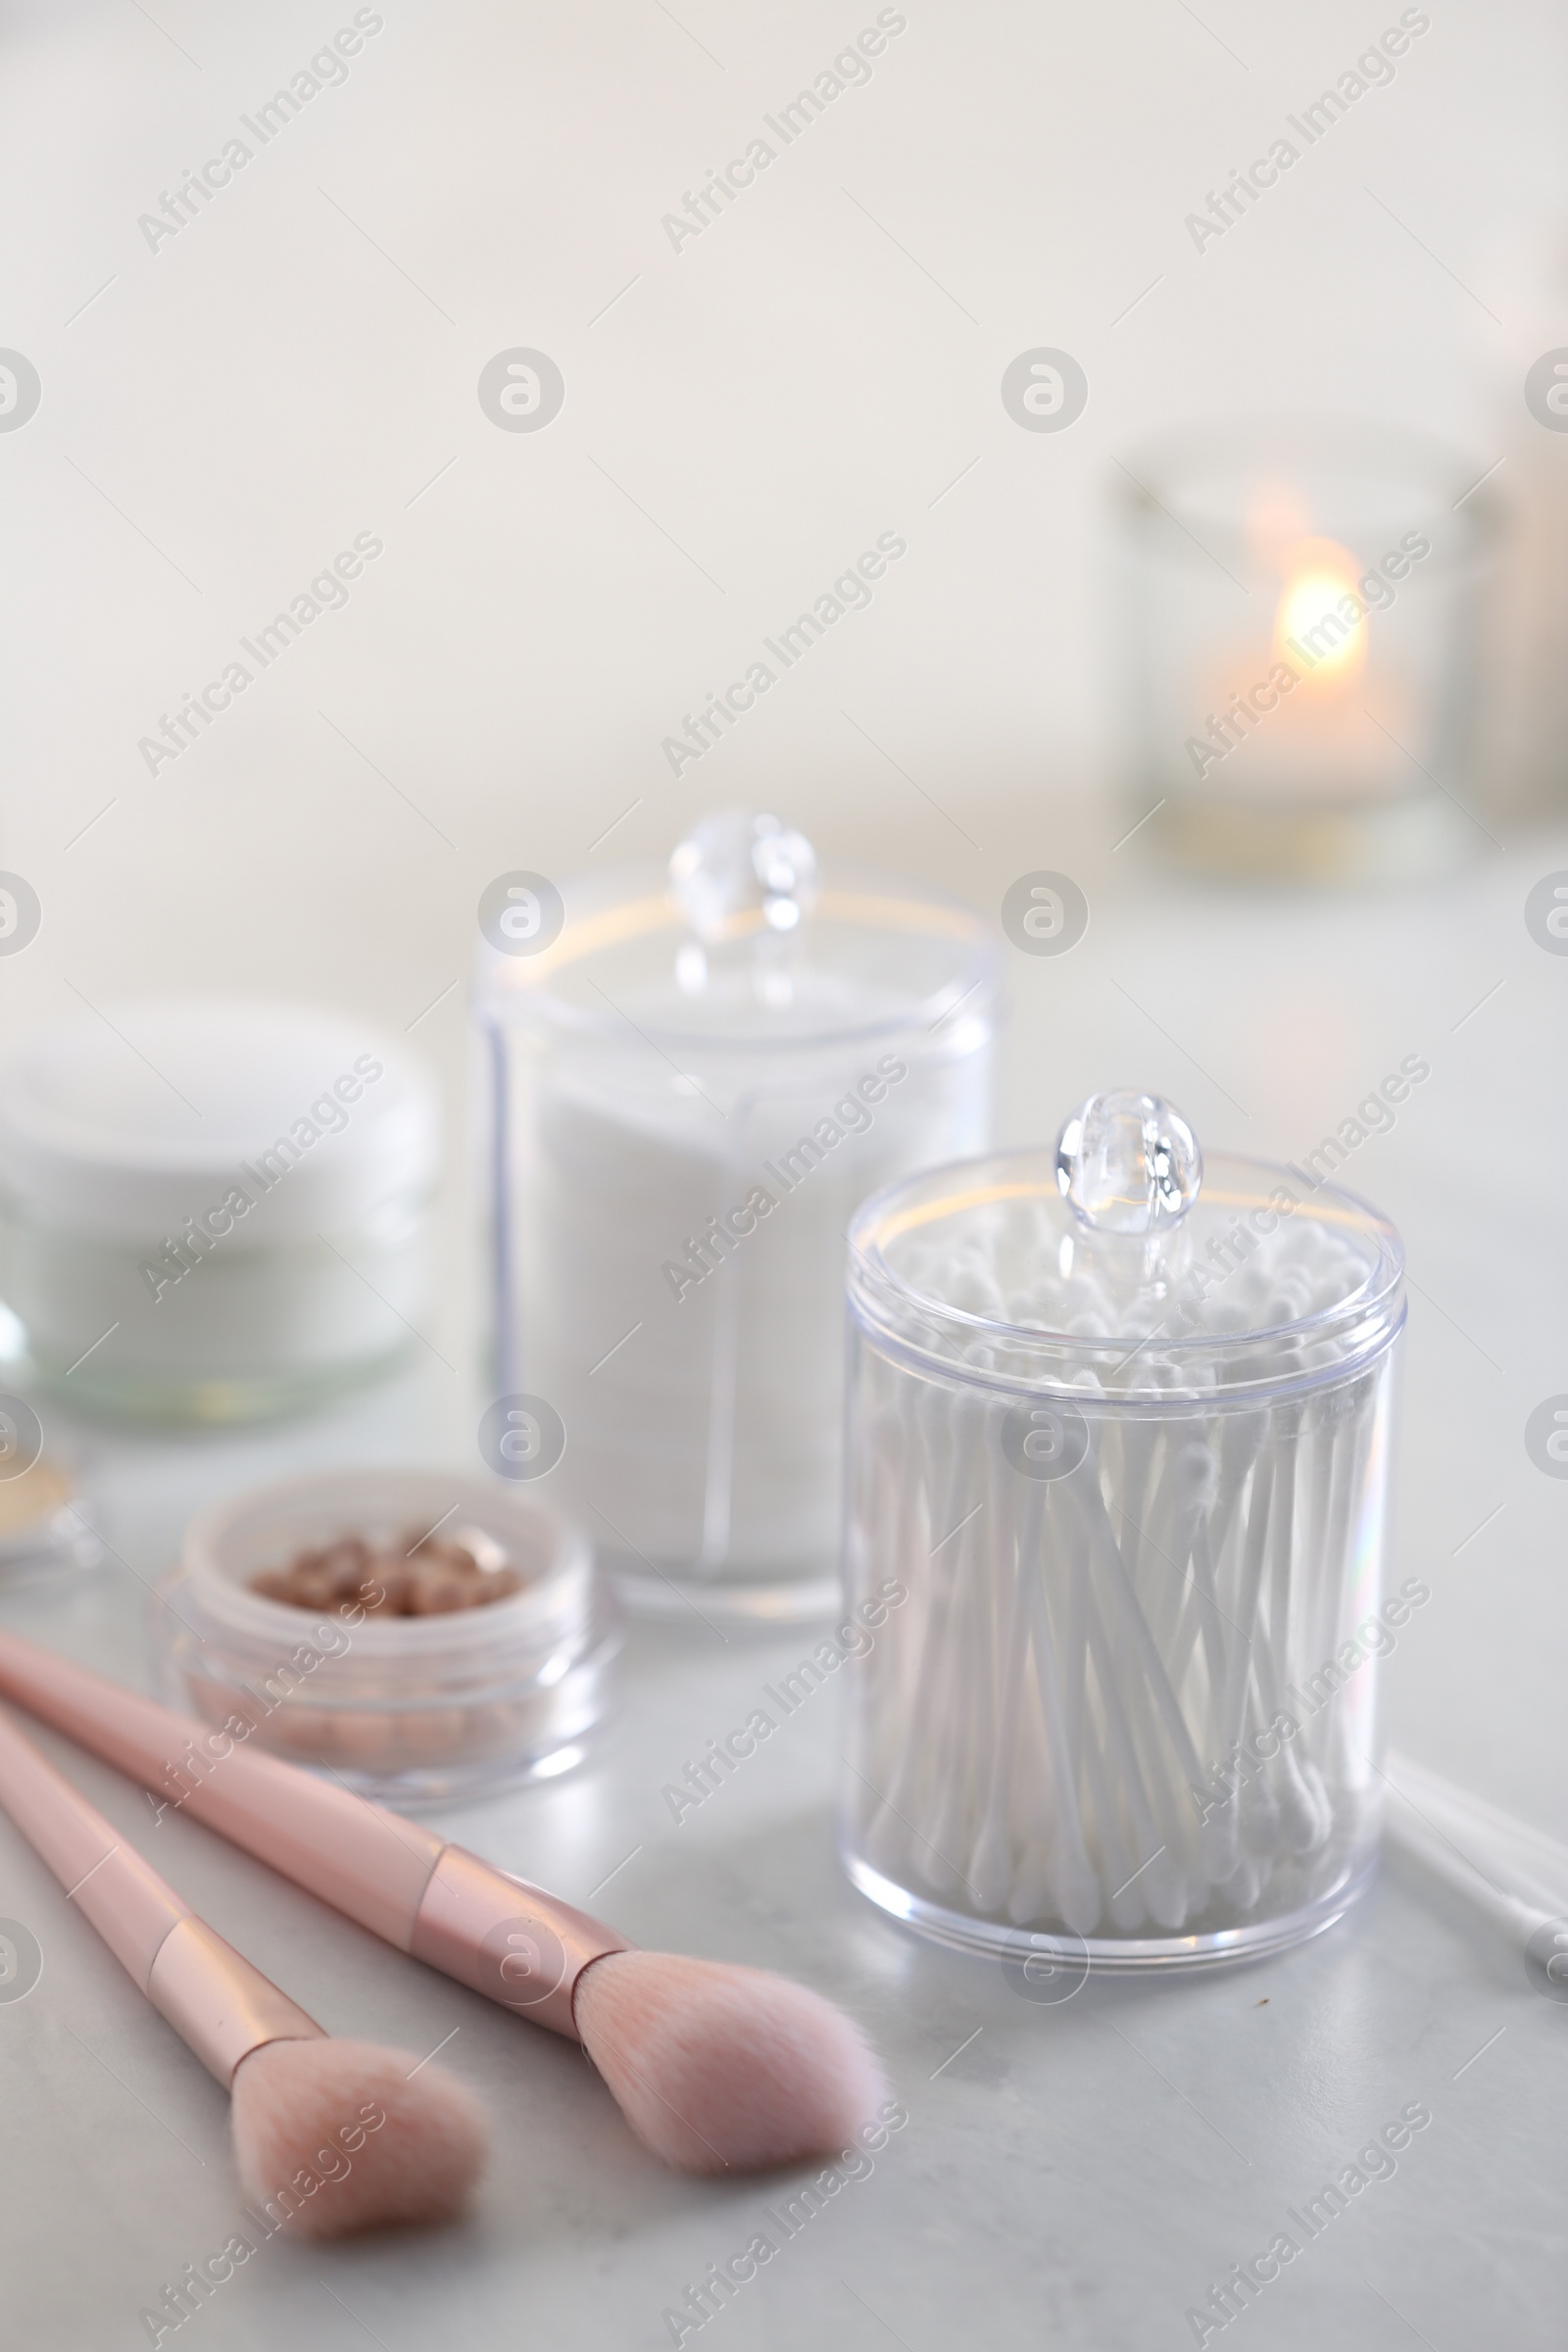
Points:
(221, 416)
(268, 384)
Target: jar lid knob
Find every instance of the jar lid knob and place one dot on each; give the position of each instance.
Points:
(741, 870)
(1128, 1164)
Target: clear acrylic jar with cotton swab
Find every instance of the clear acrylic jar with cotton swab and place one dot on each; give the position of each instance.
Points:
(1119, 1434)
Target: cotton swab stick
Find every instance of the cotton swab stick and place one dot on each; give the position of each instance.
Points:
(883, 1511)
(1085, 1496)
(1078, 1889)
(1350, 1442)
(1082, 1891)
(1305, 1816)
(1202, 1619)
(294, 2089)
(1049, 1831)
(1525, 1861)
(991, 1872)
(956, 1426)
(1533, 1861)
(1225, 1821)
(1184, 1499)
(1153, 1876)
(1521, 1915)
(905, 1539)
(1241, 1439)
(967, 1707)
(1156, 1871)
(1122, 1888)
(1240, 1436)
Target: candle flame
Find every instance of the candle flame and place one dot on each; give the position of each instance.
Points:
(1313, 631)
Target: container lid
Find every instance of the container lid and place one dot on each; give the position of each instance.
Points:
(1119, 1264)
(124, 1123)
(740, 944)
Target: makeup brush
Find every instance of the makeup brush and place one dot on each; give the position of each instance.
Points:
(377, 2137)
(714, 2067)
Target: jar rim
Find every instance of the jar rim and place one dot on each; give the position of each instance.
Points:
(356, 1500)
(636, 904)
(1158, 492)
(1361, 1325)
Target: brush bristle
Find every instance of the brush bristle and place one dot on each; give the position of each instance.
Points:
(309, 2147)
(718, 2068)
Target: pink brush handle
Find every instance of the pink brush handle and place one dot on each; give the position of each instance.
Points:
(492, 1932)
(128, 1902)
(367, 1862)
(208, 1992)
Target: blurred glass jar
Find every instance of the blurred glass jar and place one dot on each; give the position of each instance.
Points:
(697, 1073)
(213, 1212)
(1298, 627)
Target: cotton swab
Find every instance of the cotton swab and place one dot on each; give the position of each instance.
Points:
(991, 1871)
(1122, 1759)
(1078, 1889)
(1522, 1915)
(1519, 1861)
(1529, 1855)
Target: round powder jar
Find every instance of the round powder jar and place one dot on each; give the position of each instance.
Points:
(411, 1709)
(1120, 1439)
(214, 1211)
(697, 1073)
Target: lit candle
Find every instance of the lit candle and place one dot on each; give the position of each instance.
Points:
(1310, 715)
(1300, 649)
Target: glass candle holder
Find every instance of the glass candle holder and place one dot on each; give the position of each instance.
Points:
(1119, 1462)
(696, 1076)
(1297, 626)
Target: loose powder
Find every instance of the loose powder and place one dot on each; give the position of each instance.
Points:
(428, 1578)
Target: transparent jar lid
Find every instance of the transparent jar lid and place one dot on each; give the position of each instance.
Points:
(738, 942)
(1119, 1263)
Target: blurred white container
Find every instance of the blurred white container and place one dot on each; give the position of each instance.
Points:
(214, 1210)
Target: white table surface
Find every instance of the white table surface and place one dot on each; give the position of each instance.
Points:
(219, 414)
(1075, 2175)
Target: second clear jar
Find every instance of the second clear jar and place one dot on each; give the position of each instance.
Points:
(1118, 1502)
